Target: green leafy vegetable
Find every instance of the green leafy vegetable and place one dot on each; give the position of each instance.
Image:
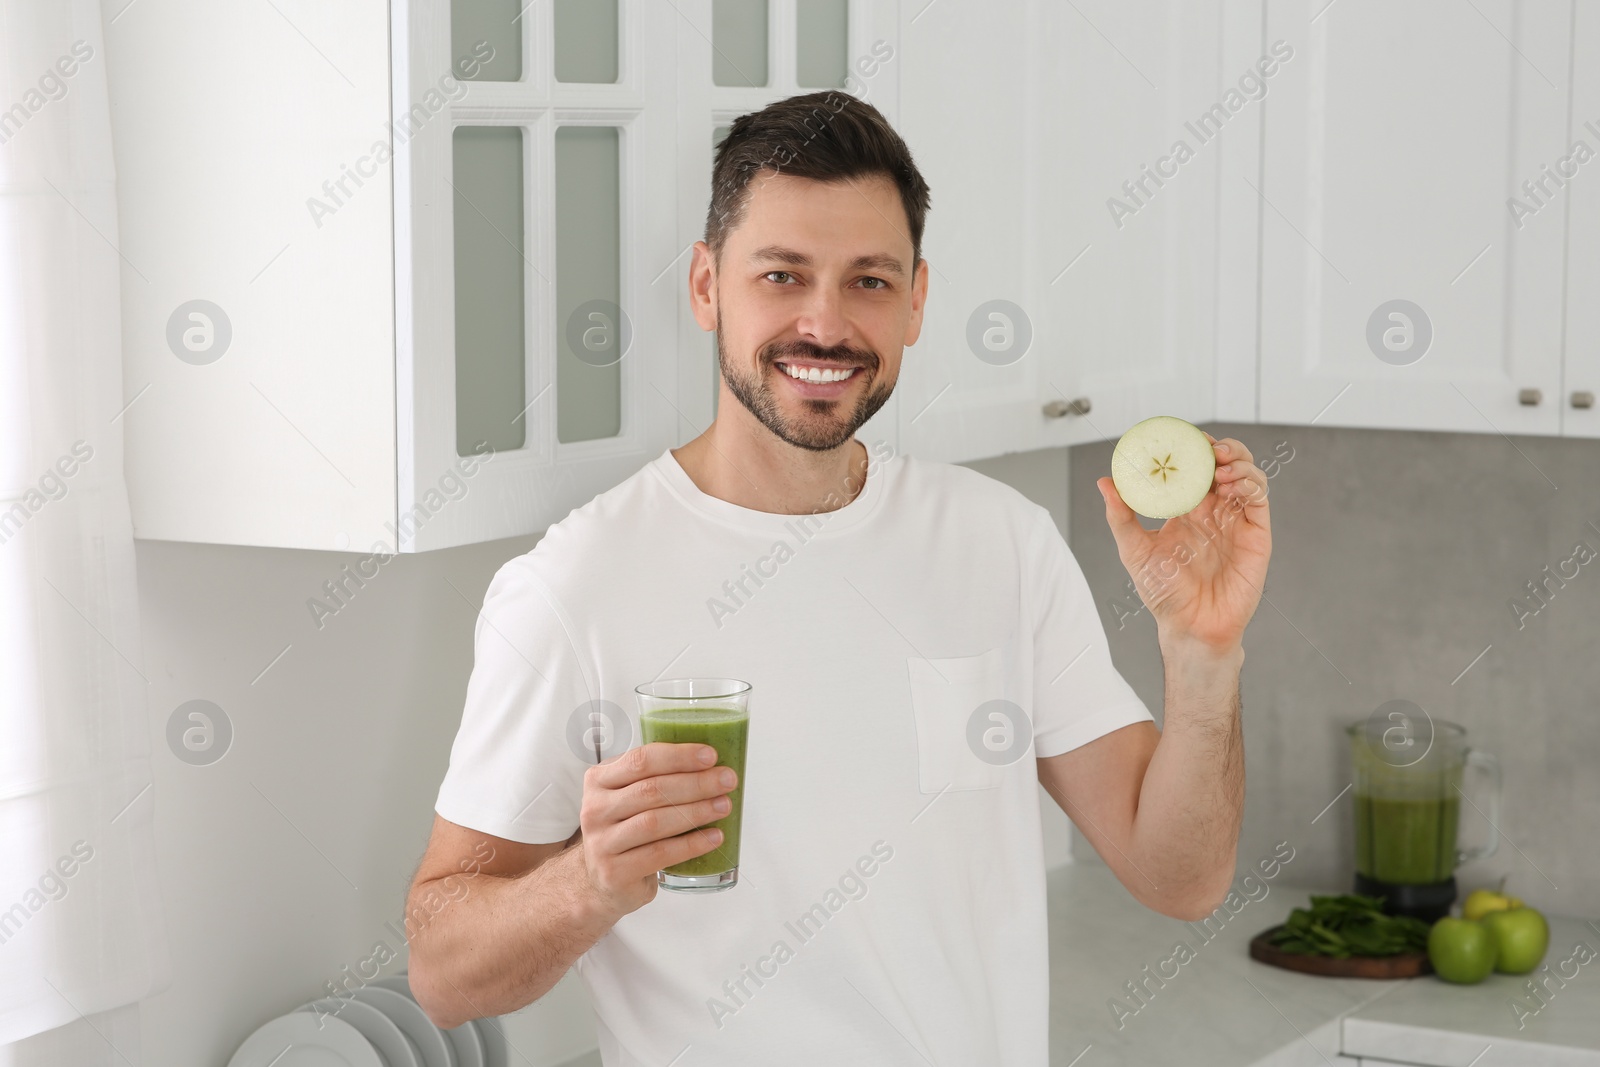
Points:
(1350, 925)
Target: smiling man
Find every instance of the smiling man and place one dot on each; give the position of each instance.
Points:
(923, 650)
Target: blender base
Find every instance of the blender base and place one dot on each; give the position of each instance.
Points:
(1426, 902)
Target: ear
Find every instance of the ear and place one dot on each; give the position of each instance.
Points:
(703, 286)
(919, 297)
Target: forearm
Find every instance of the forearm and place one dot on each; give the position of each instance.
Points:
(1186, 829)
(506, 941)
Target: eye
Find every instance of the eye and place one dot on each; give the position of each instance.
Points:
(781, 274)
(881, 283)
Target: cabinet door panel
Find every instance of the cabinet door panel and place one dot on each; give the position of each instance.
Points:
(1393, 142)
(964, 113)
(1583, 230)
(1131, 325)
(255, 229)
(589, 414)
(1054, 108)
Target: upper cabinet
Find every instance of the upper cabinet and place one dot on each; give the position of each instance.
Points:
(253, 158)
(407, 275)
(1347, 214)
(1072, 286)
(1399, 288)
(410, 274)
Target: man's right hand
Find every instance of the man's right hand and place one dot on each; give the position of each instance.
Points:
(641, 812)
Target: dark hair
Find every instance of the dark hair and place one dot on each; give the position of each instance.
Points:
(825, 136)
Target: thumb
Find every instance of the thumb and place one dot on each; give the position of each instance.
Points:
(1120, 517)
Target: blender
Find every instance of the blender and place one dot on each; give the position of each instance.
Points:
(1409, 770)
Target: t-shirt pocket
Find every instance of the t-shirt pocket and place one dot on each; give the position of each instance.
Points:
(957, 746)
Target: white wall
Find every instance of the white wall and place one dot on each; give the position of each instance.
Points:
(282, 863)
(285, 861)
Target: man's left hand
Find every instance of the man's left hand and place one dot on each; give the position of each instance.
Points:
(1201, 574)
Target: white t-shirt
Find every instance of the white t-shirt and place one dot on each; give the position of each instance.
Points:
(891, 900)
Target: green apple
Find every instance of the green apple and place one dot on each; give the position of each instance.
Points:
(1521, 936)
(1481, 902)
(1163, 467)
(1461, 950)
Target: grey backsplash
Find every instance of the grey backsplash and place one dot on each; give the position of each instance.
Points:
(1397, 557)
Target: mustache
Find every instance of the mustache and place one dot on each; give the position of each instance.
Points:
(839, 356)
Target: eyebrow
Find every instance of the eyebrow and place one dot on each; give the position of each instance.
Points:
(881, 262)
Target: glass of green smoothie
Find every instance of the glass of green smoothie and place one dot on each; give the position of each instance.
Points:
(707, 711)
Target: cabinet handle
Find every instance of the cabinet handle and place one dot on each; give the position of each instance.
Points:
(1529, 397)
(1057, 408)
(1582, 398)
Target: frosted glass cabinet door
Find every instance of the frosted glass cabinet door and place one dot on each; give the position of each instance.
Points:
(530, 223)
(1397, 288)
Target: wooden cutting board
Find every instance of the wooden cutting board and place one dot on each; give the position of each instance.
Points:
(1404, 965)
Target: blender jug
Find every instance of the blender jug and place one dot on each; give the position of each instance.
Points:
(1408, 790)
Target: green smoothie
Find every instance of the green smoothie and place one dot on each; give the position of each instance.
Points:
(1406, 841)
(726, 730)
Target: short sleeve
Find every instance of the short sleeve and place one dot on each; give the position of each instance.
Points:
(1078, 693)
(512, 771)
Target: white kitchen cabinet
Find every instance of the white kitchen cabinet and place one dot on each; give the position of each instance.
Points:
(1581, 191)
(1393, 142)
(378, 255)
(343, 185)
(349, 259)
(1027, 119)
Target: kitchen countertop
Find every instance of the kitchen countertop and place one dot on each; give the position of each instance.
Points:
(1209, 1003)
(1214, 1005)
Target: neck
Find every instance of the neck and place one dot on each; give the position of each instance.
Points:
(739, 460)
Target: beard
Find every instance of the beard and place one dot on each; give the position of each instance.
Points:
(821, 426)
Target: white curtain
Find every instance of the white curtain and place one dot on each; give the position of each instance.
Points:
(81, 934)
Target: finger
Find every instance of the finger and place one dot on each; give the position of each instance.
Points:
(1249, 489)
(646, 859)
(1238, 469)
(1247, 494)
(645, 761)
(1230, 449)
(660, 824)
(665, 791)
(1124, 523)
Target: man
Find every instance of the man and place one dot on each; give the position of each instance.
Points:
(890, 906)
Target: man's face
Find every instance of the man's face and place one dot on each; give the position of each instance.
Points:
(816, 281)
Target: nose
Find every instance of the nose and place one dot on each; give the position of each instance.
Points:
(822, 320)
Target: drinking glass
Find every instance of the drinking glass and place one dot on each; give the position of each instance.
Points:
(708, 711)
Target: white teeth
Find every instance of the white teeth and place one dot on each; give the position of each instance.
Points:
(818, 374)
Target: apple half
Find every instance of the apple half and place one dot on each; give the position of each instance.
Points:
(1163, 467)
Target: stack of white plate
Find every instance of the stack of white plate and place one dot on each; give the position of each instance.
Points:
(378, 1025)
